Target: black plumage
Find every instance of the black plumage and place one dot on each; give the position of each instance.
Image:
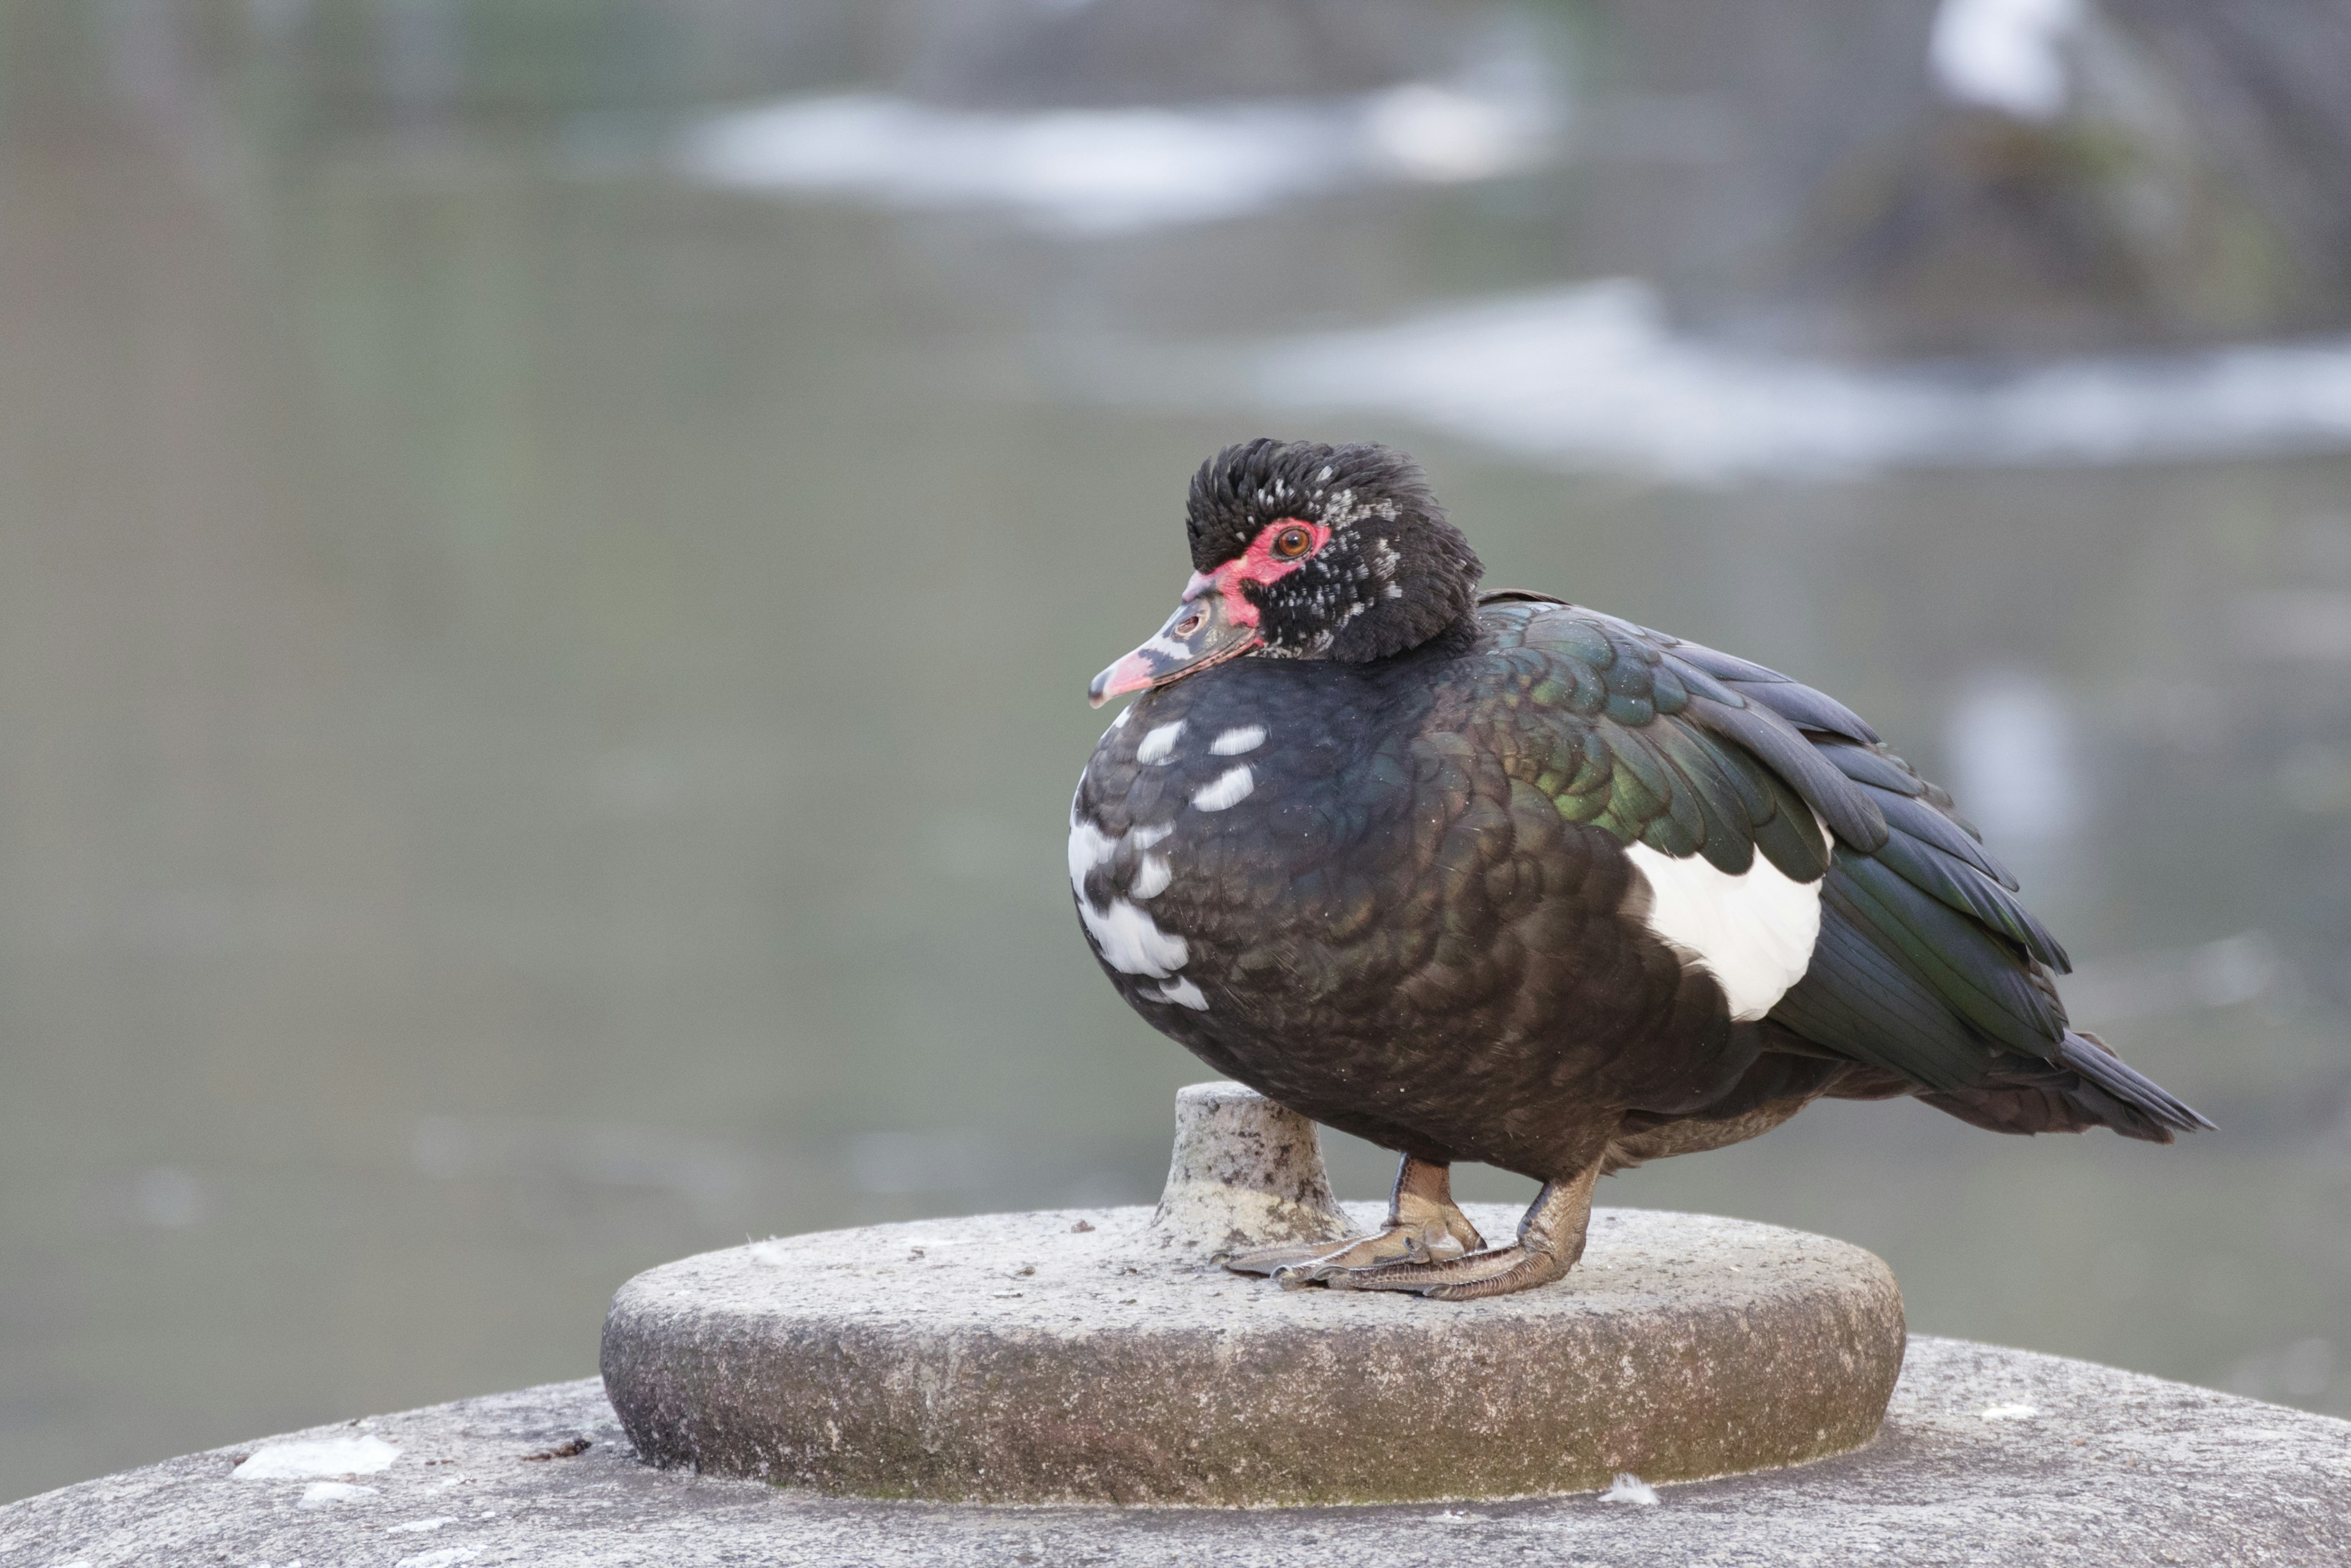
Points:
(1448, 871)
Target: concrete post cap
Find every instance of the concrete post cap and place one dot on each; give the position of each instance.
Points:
(1096, 1355)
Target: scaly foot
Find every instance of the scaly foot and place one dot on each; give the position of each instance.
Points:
(1550, 1239)
(1424, 1225)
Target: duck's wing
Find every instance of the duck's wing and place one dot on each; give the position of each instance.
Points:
(1623, 734)
(1926, 966)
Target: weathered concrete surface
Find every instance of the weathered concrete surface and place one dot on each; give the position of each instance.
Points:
(1070, 1356)
(1245, 1171)
(2108, 1468)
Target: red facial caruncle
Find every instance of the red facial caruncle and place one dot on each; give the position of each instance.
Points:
(1281, 548)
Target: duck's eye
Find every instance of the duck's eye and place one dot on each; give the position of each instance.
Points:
(1292, 543)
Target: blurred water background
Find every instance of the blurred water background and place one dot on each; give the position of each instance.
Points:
(550, 551)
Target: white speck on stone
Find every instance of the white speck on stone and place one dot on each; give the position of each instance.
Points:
(1233, 742)
(1229, 788)
(1630, 1488)
(2010, 1412)
(1157, 744)
(442, 1557)
(327, 1494)
(420, 1526)
(1153, 879)
(1184, 994)
(316, 1457)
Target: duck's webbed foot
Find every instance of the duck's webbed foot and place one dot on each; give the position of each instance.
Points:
(1550, 1239)
(1424, 1225)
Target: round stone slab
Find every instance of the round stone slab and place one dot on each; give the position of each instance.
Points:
(1084, 1356)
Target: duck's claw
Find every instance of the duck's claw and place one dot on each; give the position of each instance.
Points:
(1496, 1272)
(1295, 1267)
(1550, 1239)
(1423, 1227)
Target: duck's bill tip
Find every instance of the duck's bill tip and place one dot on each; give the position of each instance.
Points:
(1201, 633)
(1116, 681)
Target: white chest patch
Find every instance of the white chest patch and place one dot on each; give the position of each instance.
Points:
(1754, 933)
(1229, 788)
(1184, 994)
(1152, 878)
(1130, 940)
(1234, 742)
(1159, 742)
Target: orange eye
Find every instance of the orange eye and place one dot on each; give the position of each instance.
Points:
(1292, 543)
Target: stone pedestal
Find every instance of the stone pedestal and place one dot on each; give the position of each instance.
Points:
(1098, 1356)
(1988, 1459)
(955, 1359)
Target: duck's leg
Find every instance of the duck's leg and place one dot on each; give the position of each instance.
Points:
(1550, 1238)
(1424, 1224)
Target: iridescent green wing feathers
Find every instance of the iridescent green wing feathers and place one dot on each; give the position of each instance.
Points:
(1605, 725)
(1927, 965)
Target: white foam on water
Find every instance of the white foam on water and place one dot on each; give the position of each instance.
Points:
(2007, 55)
(1111, 171)
(1592, 376)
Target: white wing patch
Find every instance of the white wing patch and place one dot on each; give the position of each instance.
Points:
(1230, 788)
(1754, 932)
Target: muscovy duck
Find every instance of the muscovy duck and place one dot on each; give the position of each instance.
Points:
(1501, 878)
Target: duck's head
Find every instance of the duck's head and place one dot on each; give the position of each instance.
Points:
(1306, 552)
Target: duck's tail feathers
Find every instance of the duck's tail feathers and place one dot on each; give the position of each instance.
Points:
(2087, 1086)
